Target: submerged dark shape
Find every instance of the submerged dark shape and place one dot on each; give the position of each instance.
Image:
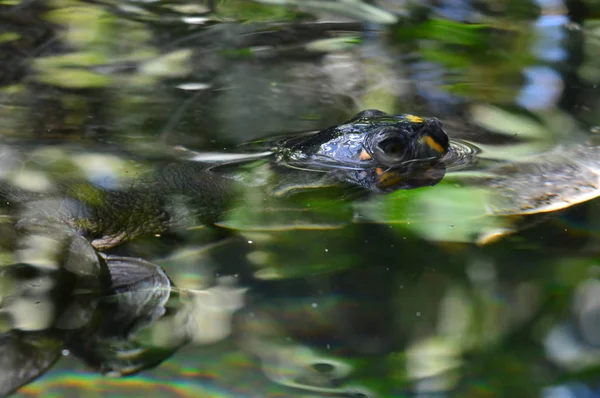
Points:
(114, 333)
(119, 340)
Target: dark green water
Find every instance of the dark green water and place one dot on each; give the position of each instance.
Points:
(329, 292)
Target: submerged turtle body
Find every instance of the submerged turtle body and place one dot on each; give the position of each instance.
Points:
(519, 193)
(373, 150)
(547, 182)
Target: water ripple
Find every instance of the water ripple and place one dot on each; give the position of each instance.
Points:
(462, 155)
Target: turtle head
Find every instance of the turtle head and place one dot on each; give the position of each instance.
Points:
(388, 149)
(395, 140)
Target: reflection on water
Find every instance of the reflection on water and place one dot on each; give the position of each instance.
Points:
(158, 236)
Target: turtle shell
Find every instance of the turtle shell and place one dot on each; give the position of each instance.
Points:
(546, 183)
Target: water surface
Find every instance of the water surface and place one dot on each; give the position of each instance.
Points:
(330, 292)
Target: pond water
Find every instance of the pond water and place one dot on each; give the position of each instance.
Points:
(122, 274)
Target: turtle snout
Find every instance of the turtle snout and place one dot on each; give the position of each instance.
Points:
(433, 138)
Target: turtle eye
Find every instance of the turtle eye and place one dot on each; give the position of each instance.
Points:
(393, 147)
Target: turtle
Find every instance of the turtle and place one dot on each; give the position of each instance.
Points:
(373, 151)
(65, 235)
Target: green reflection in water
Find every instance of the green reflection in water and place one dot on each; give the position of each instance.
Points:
(482, 61)
(447, 212)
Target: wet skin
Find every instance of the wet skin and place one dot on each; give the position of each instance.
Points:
(374, 150)
(371, 139)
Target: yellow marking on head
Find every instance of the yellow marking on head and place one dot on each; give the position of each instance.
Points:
(364, 155)
(433, 144)
(414, 119)
(389, 179)
(379, 171)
